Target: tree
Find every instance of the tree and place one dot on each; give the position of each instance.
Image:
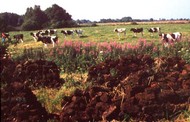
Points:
(52, 17)
(3, 25)
(39, 16)
(30, 25)
(126, 19)
(34, 19)
(58, 16)
(151, 19)
(8, 21)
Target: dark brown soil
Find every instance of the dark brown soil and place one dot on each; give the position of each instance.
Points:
(34, 73)
(38, 73)
(141, 88)
(18, 103)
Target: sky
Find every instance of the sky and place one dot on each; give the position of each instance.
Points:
(95, 10)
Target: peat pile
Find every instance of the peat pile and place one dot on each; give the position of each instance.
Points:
(7, 66)
(36, 73)
(31, 72)
(18, 103)
(141, 88)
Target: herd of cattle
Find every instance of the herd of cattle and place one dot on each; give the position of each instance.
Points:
(50, 36)
(45, 36)
(165, 37)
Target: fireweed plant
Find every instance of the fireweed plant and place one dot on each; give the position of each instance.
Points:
(77, 56)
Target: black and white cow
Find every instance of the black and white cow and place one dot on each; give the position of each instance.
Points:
(137, 30)
(18, 37)
(176, 36)
(48, 32)
(120, 30)
(170, 38)
(51, 31)
(35, 35)
(79, 32)
(154, 30)
(48, 40)
(67, 32)
(43, 33)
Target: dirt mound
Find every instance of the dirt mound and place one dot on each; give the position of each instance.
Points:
(6, 70)
(141, 88)
(18, 103)
(31, 72)
(6, 65)
(38, 73)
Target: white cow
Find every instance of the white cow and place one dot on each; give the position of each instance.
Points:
(120, 30)
(170, 38)
(154, 30)
(67, 32)
(176, 36)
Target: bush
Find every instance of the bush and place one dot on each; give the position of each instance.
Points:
(134, 23)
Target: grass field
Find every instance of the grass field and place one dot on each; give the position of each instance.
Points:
(103, 33)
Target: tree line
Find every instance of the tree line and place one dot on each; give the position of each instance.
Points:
(35, 19)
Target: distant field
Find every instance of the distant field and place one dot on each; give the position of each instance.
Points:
(104, 32)
(153, 22)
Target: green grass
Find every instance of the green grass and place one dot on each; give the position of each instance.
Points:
(105, 33)
(51, 98)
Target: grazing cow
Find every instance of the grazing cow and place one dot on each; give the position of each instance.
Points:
(48, 40)
(79, 32)
(120, 30)
(18, 37)
(137, 30)
(51, 31)
(170, 38)
(67, 32)
(43, 33)
(154, 30)
(176, 36)
(48, 32)
(35, 35)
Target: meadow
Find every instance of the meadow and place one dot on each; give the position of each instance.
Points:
(74, 55)
(99, 38)
(104, 33)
